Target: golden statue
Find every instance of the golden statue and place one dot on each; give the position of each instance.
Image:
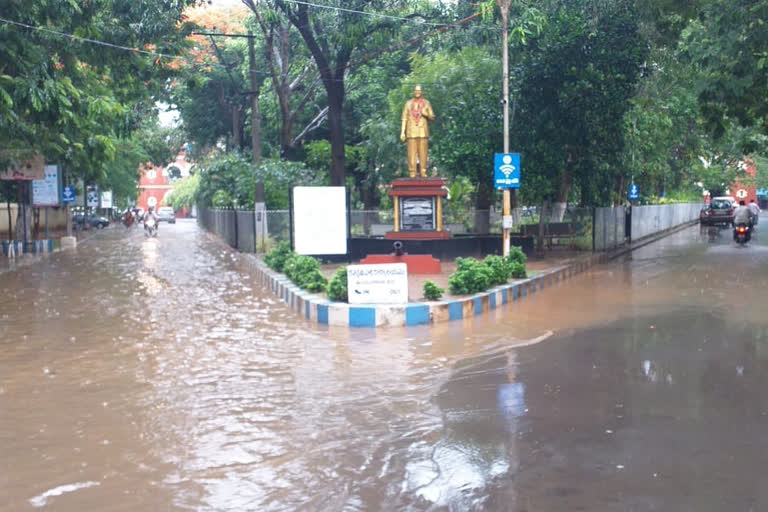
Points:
(414, 128)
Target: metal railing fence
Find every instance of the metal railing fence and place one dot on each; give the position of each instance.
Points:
(598, 229)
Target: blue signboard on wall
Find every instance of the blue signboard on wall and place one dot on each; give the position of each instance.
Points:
(634, 192)
(506, 170)
(68, 195)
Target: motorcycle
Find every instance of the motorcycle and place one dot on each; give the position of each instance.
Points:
(150, 227)
(742, 233)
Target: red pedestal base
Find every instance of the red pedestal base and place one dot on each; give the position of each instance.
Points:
(417, 235)
(417, 263)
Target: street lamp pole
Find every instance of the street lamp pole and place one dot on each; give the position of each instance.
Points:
(507, 199)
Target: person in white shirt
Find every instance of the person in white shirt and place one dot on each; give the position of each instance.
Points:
(754, 210)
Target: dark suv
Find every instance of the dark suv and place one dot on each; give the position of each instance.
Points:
(719, 211)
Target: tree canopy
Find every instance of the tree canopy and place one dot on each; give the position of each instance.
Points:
(667, 94)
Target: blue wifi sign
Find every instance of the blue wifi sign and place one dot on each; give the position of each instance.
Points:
(506, 170)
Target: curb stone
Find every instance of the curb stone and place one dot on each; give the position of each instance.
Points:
(320, 310)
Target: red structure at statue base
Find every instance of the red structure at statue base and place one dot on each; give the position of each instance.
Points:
(418, 205)
(417, 263)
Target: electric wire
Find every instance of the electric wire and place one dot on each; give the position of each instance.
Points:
(89, 40)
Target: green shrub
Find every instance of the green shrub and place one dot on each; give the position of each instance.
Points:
(516, 255)
(337, 289)
(518, 270)
(304, 271)
(501, 269)
(471, 276)
(432, 291)
(277, 257)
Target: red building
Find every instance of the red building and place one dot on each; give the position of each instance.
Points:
(742, 192)
(739, 191)
(157, 182)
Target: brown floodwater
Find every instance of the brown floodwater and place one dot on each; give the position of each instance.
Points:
(156, 374)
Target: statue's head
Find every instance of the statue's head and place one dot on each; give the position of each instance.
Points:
(417, 91)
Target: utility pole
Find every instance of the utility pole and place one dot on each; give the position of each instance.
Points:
(255, 117)
(507, 200)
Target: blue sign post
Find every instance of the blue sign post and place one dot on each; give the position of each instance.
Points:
(68, 195)
(506, 170)
(634, 192)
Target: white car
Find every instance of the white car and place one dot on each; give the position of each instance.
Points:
(165, 214)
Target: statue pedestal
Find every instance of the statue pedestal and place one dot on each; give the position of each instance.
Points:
(418, 209)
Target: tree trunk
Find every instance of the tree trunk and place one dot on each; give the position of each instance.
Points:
(236, 135)
(23, 215)
(619, 191)
(561, 202)
(540, 238)
(336, 133)
(483, 212)
(10, 219)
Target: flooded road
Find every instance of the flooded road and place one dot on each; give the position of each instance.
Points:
(638, 386)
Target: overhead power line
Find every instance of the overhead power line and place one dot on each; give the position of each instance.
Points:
(364, 13)
(88, 40)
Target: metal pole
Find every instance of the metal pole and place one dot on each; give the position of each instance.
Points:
(24, 194)
(507, 199)
(255, 116)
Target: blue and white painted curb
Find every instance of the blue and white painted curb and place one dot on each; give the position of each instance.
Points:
(16, 248)
(319, 309)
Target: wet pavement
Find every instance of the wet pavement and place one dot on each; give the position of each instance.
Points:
(154, 374)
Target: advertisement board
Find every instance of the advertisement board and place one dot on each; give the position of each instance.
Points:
(385, 283)
(45, 192)
(320, 220)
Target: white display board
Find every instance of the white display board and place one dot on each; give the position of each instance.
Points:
(45, 192)
(106, 199)
(320, 220)
(385, 283)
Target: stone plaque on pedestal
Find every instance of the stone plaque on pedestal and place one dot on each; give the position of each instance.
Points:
(418, 209)
(417, 213)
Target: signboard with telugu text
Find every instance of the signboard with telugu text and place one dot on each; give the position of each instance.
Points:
(385, 283)
(506, 170)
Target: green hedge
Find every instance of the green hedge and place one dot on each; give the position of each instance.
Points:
(432, 291)
(473, 276)
(304, 271)
(337, 289)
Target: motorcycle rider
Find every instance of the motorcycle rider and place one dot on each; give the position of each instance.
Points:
(152, 215)
(755, 210)
(742, 215)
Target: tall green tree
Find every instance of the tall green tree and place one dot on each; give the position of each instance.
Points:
(575, 87)
(334, 36)
(730, 43)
